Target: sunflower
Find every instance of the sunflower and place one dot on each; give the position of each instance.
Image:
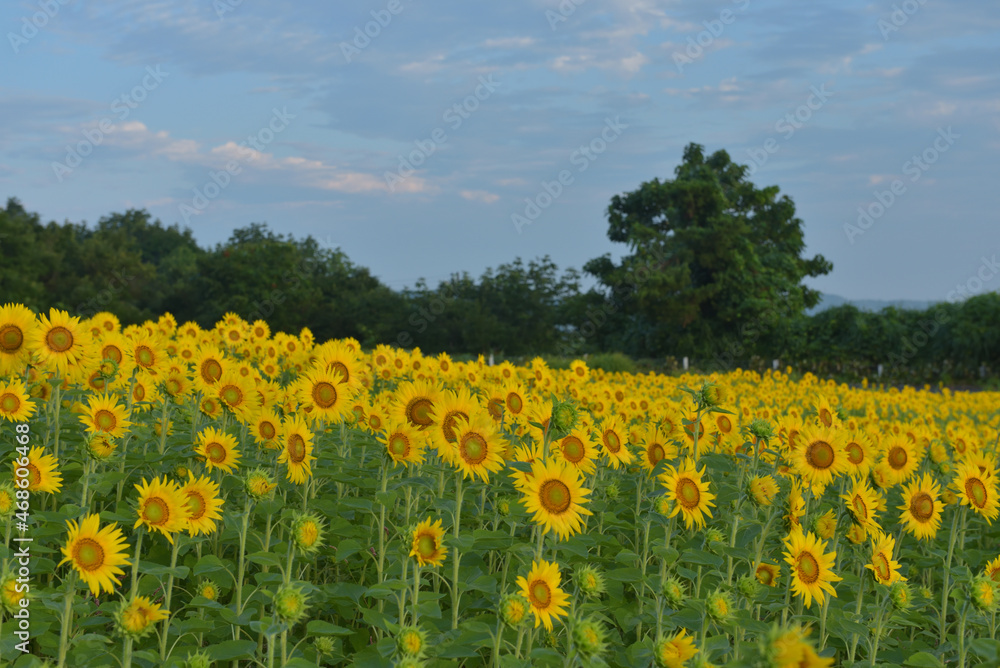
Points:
(768, 574)
(307, 532)
(404, 443)
(426, 545)
(209, 365)
(12, 593)
(95, 553)
(450, 406)
(578, 450)
(236, 392)
(478, 447)
(17, 325)
(218, 448)
(147, 353)
(203, 503)
(675, 651)
(515, 400)
(812, 569)
(977, 490)
(542, 590)
(689, 493)
(992, 570)
(258, 483)
(41, 470)
(655, 448)
(211, 407)
(297, 447)
(15, 403)
(556, 496)
(415, 400)
(105, 416)
(136, 619)
(788, 647)
(886, 570)
(325, 394)
(763, 489)
(59, 341)
(901, 457)
(825, 525)
(796, 505)
(863, 504)
(614, 442)
(921, 508)
(820, 457)
(265, 427)
(860, 453)
(162, 507)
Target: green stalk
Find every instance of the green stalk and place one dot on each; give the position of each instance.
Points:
(67, 618)
(166, 601)
(455, 593)
(946, 576)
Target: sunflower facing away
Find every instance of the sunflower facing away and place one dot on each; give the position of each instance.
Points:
(811, 570)
(136, 619)
(882, 565)
(554, 493)
(427, 547)
(675, 651)
(689, 493)
(162, 507)
(95, 553)
(541, 588)
(218, 448)
(921, 508)
(977, 490)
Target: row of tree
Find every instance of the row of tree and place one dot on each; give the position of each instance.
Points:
(714, 272)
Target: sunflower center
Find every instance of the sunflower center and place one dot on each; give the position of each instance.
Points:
(196, 502)
(308, 533)
(541, 595)
(855, 454)
(514, 403)
(105, 420)
(897, 457)
(688, 493)
(764, 576)
(807, 567)
(860, 507)
(232, 395)
(820, 455)
(173, 387)
(375, 422)
(448, 425)
(34, 476)
(881, 565)
(826, 417)
(11, 338)
(418, 411)
(234, 335)
(573, 449)
(976, 491)
(144, 356)
(324, 394)
(399, 445)
(495, 408)
(612, 442)
(656, 453)
(267, 430)
(296, 448)
(473, 448)
(156, 511)
(425, 546)
(725, 426)
(922, 506)
(216, 452)
(9, 403)
(139, 393)
(211, 371)
(88, 554)
(59, 339)
(555, 496)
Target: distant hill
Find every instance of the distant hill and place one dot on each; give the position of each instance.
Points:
(874, 305)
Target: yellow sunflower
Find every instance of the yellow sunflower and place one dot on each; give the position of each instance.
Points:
(614, 442)
(675, 651)
(136, 619)
(450, 406)
(763, 489)
(324, 394)
(921, 508)
(992, 570)
(977, 490)
(811, 569)
(204, 504)
(265, 427)
(209, 365)
(17, 325)
(147, 353)
(297, 447)
(796, 506)
(162, 507)
(578, 450)
(863, 504)
(655, 448)
(556, 496)
(860, 453)
(689, 493)
(15, 403)
(237, 393)
(41, 472)
(59, 341)
(96, 553)
(768, 574)
(882, 565)
(307, 532)
(105, 416)
(427, 543)
(515, 400)
(479, 447)
(218, 448)
(820, 457)
(541, 588)
(415, 400)
(901, 457)
(404, 443)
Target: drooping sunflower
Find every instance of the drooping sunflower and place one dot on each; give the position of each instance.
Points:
(17, 325)
(296, 449)
(415, 401)
(427, 543)
(479, 447)
(404, 443)
(578, 450)
(796, 506)
(882, 565)
(901, 457)
(97, 554)
(977, 490)
(218, 448)
(556, 496)
(767, 574)
(763, 489)
(689, 493)
(43, 475)
(204, 504)
(548, 601)
(137, 618)
(105, 415)
(325, 394)
(820, 457)
(921, 508)
(675, 651)
(863, 504)
(15, 403)
(162, 507)
(614, 442)
(59, 341)
(811, 567)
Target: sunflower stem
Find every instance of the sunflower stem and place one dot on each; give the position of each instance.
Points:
(946, 575)
(455, 593)
(416, 592)
(84, 505)
(241, 562)
(164, 420)
(67, 618)
(166, 600)
(961, 636)
(135, 561)
(57, 397)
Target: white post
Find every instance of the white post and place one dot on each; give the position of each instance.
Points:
(685, 363)
(775, 364)
(879, 370)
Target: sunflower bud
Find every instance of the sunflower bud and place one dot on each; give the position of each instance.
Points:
(307, 532)
(514, 610)
(825, 525)
(324, 645)
(411, 642)
(10, 597)
(901, 595)
(7, 501)
(590, 638)
(662, 505)
(291, 603)
(748, 587)
(137, 618)
(711, 395)
(715, 538)
(100, 447)
(409, 662)
(612, 491)
(674, 592)
(258, 483)
(198, 660)
(564, 416)
(503, 506)
(763, 489)
(719, 605)
(761, 429)
(589, 581)
(208, 589)
(983, 593)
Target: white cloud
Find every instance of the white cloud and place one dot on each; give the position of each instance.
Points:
(480, 196)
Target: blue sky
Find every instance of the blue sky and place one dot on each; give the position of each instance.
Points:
(412, 147)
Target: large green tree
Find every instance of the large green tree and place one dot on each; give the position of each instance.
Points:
(714, 263)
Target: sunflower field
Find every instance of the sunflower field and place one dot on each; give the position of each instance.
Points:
(180, 496)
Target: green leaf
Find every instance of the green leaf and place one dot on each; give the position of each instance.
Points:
(265, 559)
(923, 660)
(207, 565)
(232, 649)
(700, 557)
(319, 627)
